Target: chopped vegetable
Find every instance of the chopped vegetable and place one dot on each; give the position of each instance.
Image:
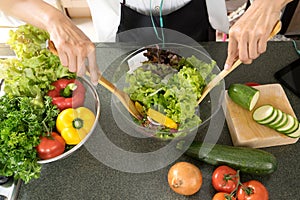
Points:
(263, 113)
(74, 124)
(171, 85)
(278, 120)
(243, 95)
(67, 93)
(161, 119)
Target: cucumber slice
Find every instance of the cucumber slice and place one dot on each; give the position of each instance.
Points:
(296, 134)
(263, 113)
(294, 128)
(282, 123)
(277, 120)
(289, 125)
(271, 119)
(243, 95)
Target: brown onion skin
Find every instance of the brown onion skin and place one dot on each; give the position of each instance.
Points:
(185, 178)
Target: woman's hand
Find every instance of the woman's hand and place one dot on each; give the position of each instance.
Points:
(249, 35)
(74, 48)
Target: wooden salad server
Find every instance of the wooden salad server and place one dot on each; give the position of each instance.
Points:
(225, 72)
(121, 95)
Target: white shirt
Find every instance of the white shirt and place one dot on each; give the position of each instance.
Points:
(106, 14)
(168, 6)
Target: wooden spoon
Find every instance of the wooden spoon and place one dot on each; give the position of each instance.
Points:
(121, 95)
(225, 72)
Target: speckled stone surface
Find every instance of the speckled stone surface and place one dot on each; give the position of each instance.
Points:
(82, 176)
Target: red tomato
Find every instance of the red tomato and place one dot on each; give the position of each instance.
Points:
(51, 146)
(252, 190)
(223, 196)
(225, 179)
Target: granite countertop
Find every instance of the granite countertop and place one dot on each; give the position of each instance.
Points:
(83, 176)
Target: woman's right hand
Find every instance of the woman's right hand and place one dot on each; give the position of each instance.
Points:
(74, 48)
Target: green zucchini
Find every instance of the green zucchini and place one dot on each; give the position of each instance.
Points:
(276, 119)
(245, 159)
(243, 95)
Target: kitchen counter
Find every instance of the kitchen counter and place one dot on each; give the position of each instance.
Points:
(82, 176)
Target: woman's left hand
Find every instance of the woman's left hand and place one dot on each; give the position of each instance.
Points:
(249, 35)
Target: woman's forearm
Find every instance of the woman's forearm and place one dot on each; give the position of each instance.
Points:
(35, 12)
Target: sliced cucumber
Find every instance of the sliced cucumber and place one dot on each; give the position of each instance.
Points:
(282, 123)
(289, 125)
(270, 119)
(263, 113)
(243, 95)
(294, 128)
(276, 119)
(296, 134)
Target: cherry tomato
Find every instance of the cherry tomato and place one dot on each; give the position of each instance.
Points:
(252, 190)
(225, 179)
(51, 146)
(185, 178)
(223, 196)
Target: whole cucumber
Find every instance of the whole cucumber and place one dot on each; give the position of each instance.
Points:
(245, 159)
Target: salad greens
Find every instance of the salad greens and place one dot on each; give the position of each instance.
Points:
(35, 68)
(26, 113)
(21, 125)
(27, 41)
(171, 90)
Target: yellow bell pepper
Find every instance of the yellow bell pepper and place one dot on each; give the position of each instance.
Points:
(74, 124)
(162, 119)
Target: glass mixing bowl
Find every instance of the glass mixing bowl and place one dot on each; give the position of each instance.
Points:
(205, 111)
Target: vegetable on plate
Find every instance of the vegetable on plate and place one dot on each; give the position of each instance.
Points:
(185, 178)
(74, 124)
(67, 93)
(245, 159)
(243, 95)
(277, 119)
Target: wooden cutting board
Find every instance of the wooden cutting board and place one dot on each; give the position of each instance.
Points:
(245, 131)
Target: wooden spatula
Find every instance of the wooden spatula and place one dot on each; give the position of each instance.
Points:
(121, 95)
(225, 72)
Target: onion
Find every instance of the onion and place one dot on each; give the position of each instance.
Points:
(185, 178)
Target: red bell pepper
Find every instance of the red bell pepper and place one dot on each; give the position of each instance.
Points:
(68, 93)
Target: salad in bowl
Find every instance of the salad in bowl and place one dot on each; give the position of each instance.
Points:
(165, 81)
